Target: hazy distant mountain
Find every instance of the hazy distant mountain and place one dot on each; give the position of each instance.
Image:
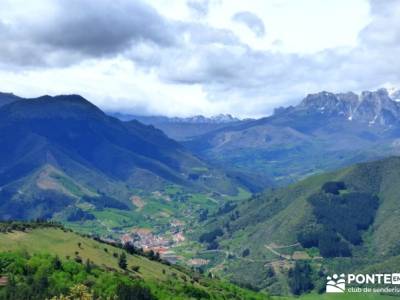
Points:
(183, 128)
(199, 119)
(323, 132)
(57, 150)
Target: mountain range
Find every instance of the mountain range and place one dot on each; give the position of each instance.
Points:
(181, 129)
(323, 132)
(372, 108)
(62, 158)
(66, 148)
(199, 119)
(63, 151)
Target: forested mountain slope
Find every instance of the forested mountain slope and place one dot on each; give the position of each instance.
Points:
(343, 220)
(63, 151)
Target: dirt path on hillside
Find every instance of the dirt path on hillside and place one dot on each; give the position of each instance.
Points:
(296, 255)
(275, 246)
(277, 253)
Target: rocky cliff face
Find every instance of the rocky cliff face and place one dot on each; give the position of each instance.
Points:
(375, 108)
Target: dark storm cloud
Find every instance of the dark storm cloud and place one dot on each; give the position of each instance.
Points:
(253, 22)
(73, 29)
(100, 27)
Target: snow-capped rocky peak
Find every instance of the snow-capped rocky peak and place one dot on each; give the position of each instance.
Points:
(224, 118)
(394, 94)
(330, 103)
(376, 107)
(199, 119)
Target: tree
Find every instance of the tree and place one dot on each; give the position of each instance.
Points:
(333, 187)
(88, 266)
(137, 268)
(300, 278)
(133, 292)
(209, 237)
(246, 252)
(270, 272)
(57, 263)
(130, 248)
(122, 261)
(80, 292)
(77, 292)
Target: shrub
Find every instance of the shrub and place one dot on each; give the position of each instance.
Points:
(137, 268)
(209, 237)
(246, 252)
(300, 278)
(333, 187)
(122, 261)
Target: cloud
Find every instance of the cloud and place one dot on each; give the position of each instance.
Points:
(253, 22)
(383, 30)
(196, 36)
(264, 78)
(101, 27)
(69, 30)
(202, 34)
(199, 7)
(183, 65)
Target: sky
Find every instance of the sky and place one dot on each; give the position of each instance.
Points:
(190, 57)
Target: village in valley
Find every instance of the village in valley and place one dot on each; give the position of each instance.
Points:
(162, 244)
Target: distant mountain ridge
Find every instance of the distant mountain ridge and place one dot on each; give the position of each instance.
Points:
(198, 119)
(181, 129)
(323, 132)
(57, 151)
(375, 108)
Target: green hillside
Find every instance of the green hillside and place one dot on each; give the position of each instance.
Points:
(62, 158)
(62, 262)
(335, 222)
(56, 259)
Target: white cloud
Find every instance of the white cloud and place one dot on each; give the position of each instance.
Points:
(155, 57)
(252, 21)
